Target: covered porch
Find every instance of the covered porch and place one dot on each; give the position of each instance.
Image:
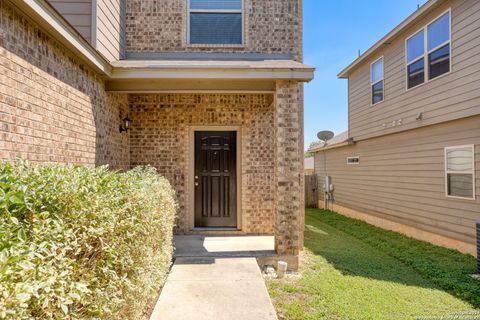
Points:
(228, 135)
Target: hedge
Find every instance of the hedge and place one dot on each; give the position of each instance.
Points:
(82, 243)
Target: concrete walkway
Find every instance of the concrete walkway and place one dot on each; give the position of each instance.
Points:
(216, 278)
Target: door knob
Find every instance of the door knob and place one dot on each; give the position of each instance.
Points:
(196, 184)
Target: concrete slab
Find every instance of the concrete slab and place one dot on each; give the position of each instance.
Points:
(210, 279)
(233, 246)
(201, 288)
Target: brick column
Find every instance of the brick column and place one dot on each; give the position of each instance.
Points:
(289, 197)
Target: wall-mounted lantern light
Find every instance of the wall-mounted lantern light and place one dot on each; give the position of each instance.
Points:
(125, 125)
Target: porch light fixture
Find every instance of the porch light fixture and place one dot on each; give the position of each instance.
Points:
(125, 125)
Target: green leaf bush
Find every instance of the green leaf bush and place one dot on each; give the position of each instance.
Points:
(82, 243)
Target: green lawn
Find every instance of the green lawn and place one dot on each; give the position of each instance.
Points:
(353, 270)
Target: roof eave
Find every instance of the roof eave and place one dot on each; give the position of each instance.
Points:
(392, 34)
(45, 15)
(300, 75)
(348, 142)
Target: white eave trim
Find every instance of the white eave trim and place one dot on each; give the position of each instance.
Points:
(301, 75)
(47, 17)
(392, 34)
(52, 22)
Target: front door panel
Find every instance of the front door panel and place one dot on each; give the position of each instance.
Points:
(215, 179)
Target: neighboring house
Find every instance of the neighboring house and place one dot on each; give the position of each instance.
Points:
(411, 160)
(308, 166)
(213, 91)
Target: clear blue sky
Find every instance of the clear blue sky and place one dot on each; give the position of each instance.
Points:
(334, 31)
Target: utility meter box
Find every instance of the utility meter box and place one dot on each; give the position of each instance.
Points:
(328, 186)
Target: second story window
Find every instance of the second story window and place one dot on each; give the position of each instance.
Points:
(428, 52)
(376, 80)
(215, 22)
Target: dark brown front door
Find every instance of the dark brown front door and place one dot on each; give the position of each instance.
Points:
(215, 179)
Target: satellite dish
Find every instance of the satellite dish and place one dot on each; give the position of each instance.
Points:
(325, 135)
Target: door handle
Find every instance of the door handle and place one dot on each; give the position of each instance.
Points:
(196, 184)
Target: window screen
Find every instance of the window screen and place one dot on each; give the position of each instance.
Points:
(439, 46)
(460, 174)
(428, 58)
(353, 160)
(215, 28)
(216, 4)
(415, 47)
(439, 32)
(439, 62)
(377, 71)
(216, 22)
(376, 78)
(416, 73)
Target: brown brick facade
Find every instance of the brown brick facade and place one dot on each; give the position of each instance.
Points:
(289, 168)
(159, 137)
(53, 108)
(271, 26)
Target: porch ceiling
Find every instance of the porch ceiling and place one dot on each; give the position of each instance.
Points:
(204, 75)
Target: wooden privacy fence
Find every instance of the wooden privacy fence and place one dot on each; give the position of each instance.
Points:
(311, 191)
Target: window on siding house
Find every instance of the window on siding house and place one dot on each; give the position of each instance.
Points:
(460, 172)
(353, 160)
(376, 81)
(428, 52)
(215, 22)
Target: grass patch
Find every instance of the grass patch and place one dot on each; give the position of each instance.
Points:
(354, 270)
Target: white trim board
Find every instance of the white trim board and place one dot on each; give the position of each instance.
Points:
(193, 73)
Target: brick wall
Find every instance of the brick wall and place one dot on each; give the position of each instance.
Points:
(289, 177)
(52, 107)
(55, 109)
(159, 136)
(271, 26)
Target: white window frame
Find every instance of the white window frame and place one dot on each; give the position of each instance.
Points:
(472, 172)
(241, 11)
(427, 52)
(374, 83)
(353, 163)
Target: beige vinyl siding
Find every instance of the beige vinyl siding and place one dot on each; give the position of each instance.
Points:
(78, 13)
(110, 31)
(401, 177)
(451, 96)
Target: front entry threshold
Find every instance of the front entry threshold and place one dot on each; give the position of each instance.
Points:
(223, 246)
(216, 232)
(215, 229)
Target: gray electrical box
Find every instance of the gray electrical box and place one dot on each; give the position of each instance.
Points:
(328, 186)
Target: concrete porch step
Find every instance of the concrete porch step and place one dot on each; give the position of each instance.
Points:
(224, 246)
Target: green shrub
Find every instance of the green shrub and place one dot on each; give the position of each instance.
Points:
(82, 243)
